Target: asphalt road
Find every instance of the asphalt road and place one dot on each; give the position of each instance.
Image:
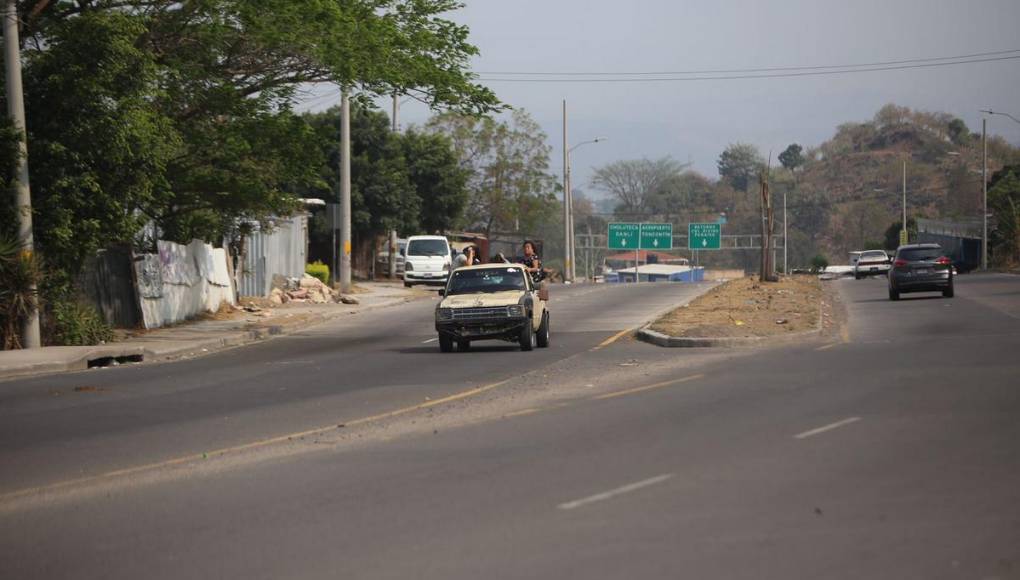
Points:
(891, 453)
(62, 427)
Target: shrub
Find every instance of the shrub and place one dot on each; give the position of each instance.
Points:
(819, 263)
(319, 270)
(75, 323)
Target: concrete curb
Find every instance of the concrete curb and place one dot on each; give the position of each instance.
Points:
(648, 335)
(59, 359)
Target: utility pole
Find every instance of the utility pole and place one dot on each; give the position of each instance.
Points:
(392, 240)
(566, 201)
(903, 230)
(984, 194)
(786, 266)
(345, 191)
(22, 192)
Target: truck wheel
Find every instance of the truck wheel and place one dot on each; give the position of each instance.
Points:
(463, 345)
(542, 340)
(527, 338)
(445, 343)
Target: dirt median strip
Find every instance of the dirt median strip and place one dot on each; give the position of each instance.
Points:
(742, 312)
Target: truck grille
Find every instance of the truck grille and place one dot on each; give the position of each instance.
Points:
(479, 313)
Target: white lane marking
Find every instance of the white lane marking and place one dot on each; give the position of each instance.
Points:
(429, 340)
(614, 492)
(825, 428)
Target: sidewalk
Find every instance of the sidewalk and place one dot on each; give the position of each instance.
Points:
(201, 336)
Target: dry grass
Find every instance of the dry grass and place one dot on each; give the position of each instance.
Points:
(746, 308)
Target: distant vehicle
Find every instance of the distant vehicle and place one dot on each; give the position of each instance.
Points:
(871, 263)
(492, 302)
(427, 261)
(382, 259)
(920, 268)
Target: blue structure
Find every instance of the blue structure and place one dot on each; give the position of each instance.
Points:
(658, 273)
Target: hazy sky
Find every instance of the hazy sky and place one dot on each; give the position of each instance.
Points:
(695, 120)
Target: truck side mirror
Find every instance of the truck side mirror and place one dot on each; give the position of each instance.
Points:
(442, 291)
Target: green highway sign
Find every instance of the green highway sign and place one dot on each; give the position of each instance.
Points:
(704, 236)
(624, 236)
(656, 236)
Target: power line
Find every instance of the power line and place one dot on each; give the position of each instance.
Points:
(824, 202)
(753, 70)
(747, 76)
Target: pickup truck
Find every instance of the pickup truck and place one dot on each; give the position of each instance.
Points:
(492, 302)
(871, 263)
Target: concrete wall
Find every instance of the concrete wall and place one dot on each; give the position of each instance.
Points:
(181, 282)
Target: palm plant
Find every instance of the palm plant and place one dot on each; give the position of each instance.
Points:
(19, 276)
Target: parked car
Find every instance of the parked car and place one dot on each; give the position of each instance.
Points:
(382, 259)
(920, 268)
(871, 263)
(492, 301)
(427, 261)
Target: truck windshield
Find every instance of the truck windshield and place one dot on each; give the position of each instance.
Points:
(486, 280)
(427, 248)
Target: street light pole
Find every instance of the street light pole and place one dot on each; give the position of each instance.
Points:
(566, 201)
(22, 193)
(984, 194)
(569, 198)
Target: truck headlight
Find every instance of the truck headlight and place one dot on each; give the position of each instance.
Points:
(408, 267)
(446, 267)
(444, 314)
(516, 310)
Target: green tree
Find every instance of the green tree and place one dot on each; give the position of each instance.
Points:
(959, 134)
(99, 149)
(640, 185)
(892, 233)
(1004, 203)
(179, 112)
(792, 157)
(437, 178)
(739, 165)
(507, 163)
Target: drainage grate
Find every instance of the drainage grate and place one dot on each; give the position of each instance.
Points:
(112, 361)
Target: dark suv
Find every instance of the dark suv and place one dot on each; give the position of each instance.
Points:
(920, 268)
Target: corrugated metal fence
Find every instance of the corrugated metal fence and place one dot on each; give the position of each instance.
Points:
(280, 250)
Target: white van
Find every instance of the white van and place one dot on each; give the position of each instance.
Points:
(427, 260)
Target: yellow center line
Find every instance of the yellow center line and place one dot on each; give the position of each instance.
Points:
(523, 412)
(613, 338)
(243, 447)
(648, 387)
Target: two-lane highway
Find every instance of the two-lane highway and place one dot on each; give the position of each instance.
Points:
(894, 453)
(65, 427)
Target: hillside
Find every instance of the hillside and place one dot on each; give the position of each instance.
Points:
(849, 189)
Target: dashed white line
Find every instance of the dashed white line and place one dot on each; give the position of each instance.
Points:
(630, 487)
(825, 428)
(429, 340)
